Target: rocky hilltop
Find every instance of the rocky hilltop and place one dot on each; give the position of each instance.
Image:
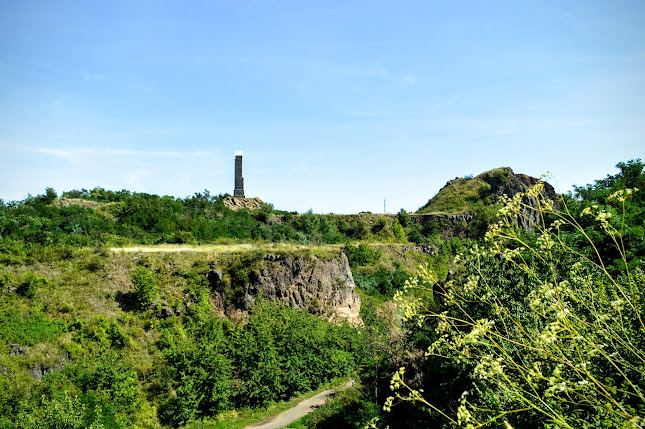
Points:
(466, 204)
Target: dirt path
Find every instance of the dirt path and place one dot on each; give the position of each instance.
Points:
(299, 411)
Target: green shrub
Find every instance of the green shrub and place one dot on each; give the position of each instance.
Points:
(403, 217)
(146, 290)
(63, 411)
(397, 230)
(361, 255)
(25, 284)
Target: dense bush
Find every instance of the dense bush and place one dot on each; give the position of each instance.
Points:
(361, 255)
(541, 333)
(382, 281)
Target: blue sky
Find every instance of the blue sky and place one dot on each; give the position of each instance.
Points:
(338, 105)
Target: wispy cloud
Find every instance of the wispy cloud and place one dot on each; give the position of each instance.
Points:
(79, 154)
(58, 70)
(624, 61)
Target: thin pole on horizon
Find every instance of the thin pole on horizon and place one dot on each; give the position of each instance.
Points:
(384, 211)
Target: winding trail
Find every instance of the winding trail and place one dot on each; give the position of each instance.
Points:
(299, 411)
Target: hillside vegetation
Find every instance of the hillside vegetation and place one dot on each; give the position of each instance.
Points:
(537, 324)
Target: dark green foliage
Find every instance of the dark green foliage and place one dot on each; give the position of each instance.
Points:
(631, 175)
(382, 281)
(213, 365)
(282, 351)
(415, 234)
(353, 228)
(100, 333)
(126, 367)
(63, 411)
(198, 372)
(100, 217)
(361, 255)
(403, 217)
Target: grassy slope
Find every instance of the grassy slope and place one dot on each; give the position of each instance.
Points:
(466, 195)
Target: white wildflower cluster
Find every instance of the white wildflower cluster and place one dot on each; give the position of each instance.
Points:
(428, 277)
(397, 379)
(410, 306)
(556, 389)
(571, 325)
(549, 334)
(602, 216)
(588, 211)
(556, 383)
(480, 328)
(443, 325)
(510, 206)
(557, 224)
(471, 285)
(373, 424)
(438, 345)
(622, 195)
(618, 304)
(542, 299)
(535, 371)
(544, 241)
(511, 254)
(535, 190)
(493, 231)
(464, 417)
(489, 368)
(411, 283)
(387, 406)
(548, 205)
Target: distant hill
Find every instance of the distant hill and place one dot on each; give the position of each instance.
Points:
(474, 194)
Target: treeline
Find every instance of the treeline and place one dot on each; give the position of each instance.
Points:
(100, 217)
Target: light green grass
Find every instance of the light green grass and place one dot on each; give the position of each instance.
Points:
(323, 251)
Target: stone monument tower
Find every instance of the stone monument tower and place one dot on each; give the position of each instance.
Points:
(239, 179)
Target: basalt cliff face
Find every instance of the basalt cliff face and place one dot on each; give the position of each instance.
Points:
(321, 285)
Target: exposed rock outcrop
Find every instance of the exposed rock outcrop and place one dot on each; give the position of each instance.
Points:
(322, 285)
(236, 203)
(16, 350)
(519, 183)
